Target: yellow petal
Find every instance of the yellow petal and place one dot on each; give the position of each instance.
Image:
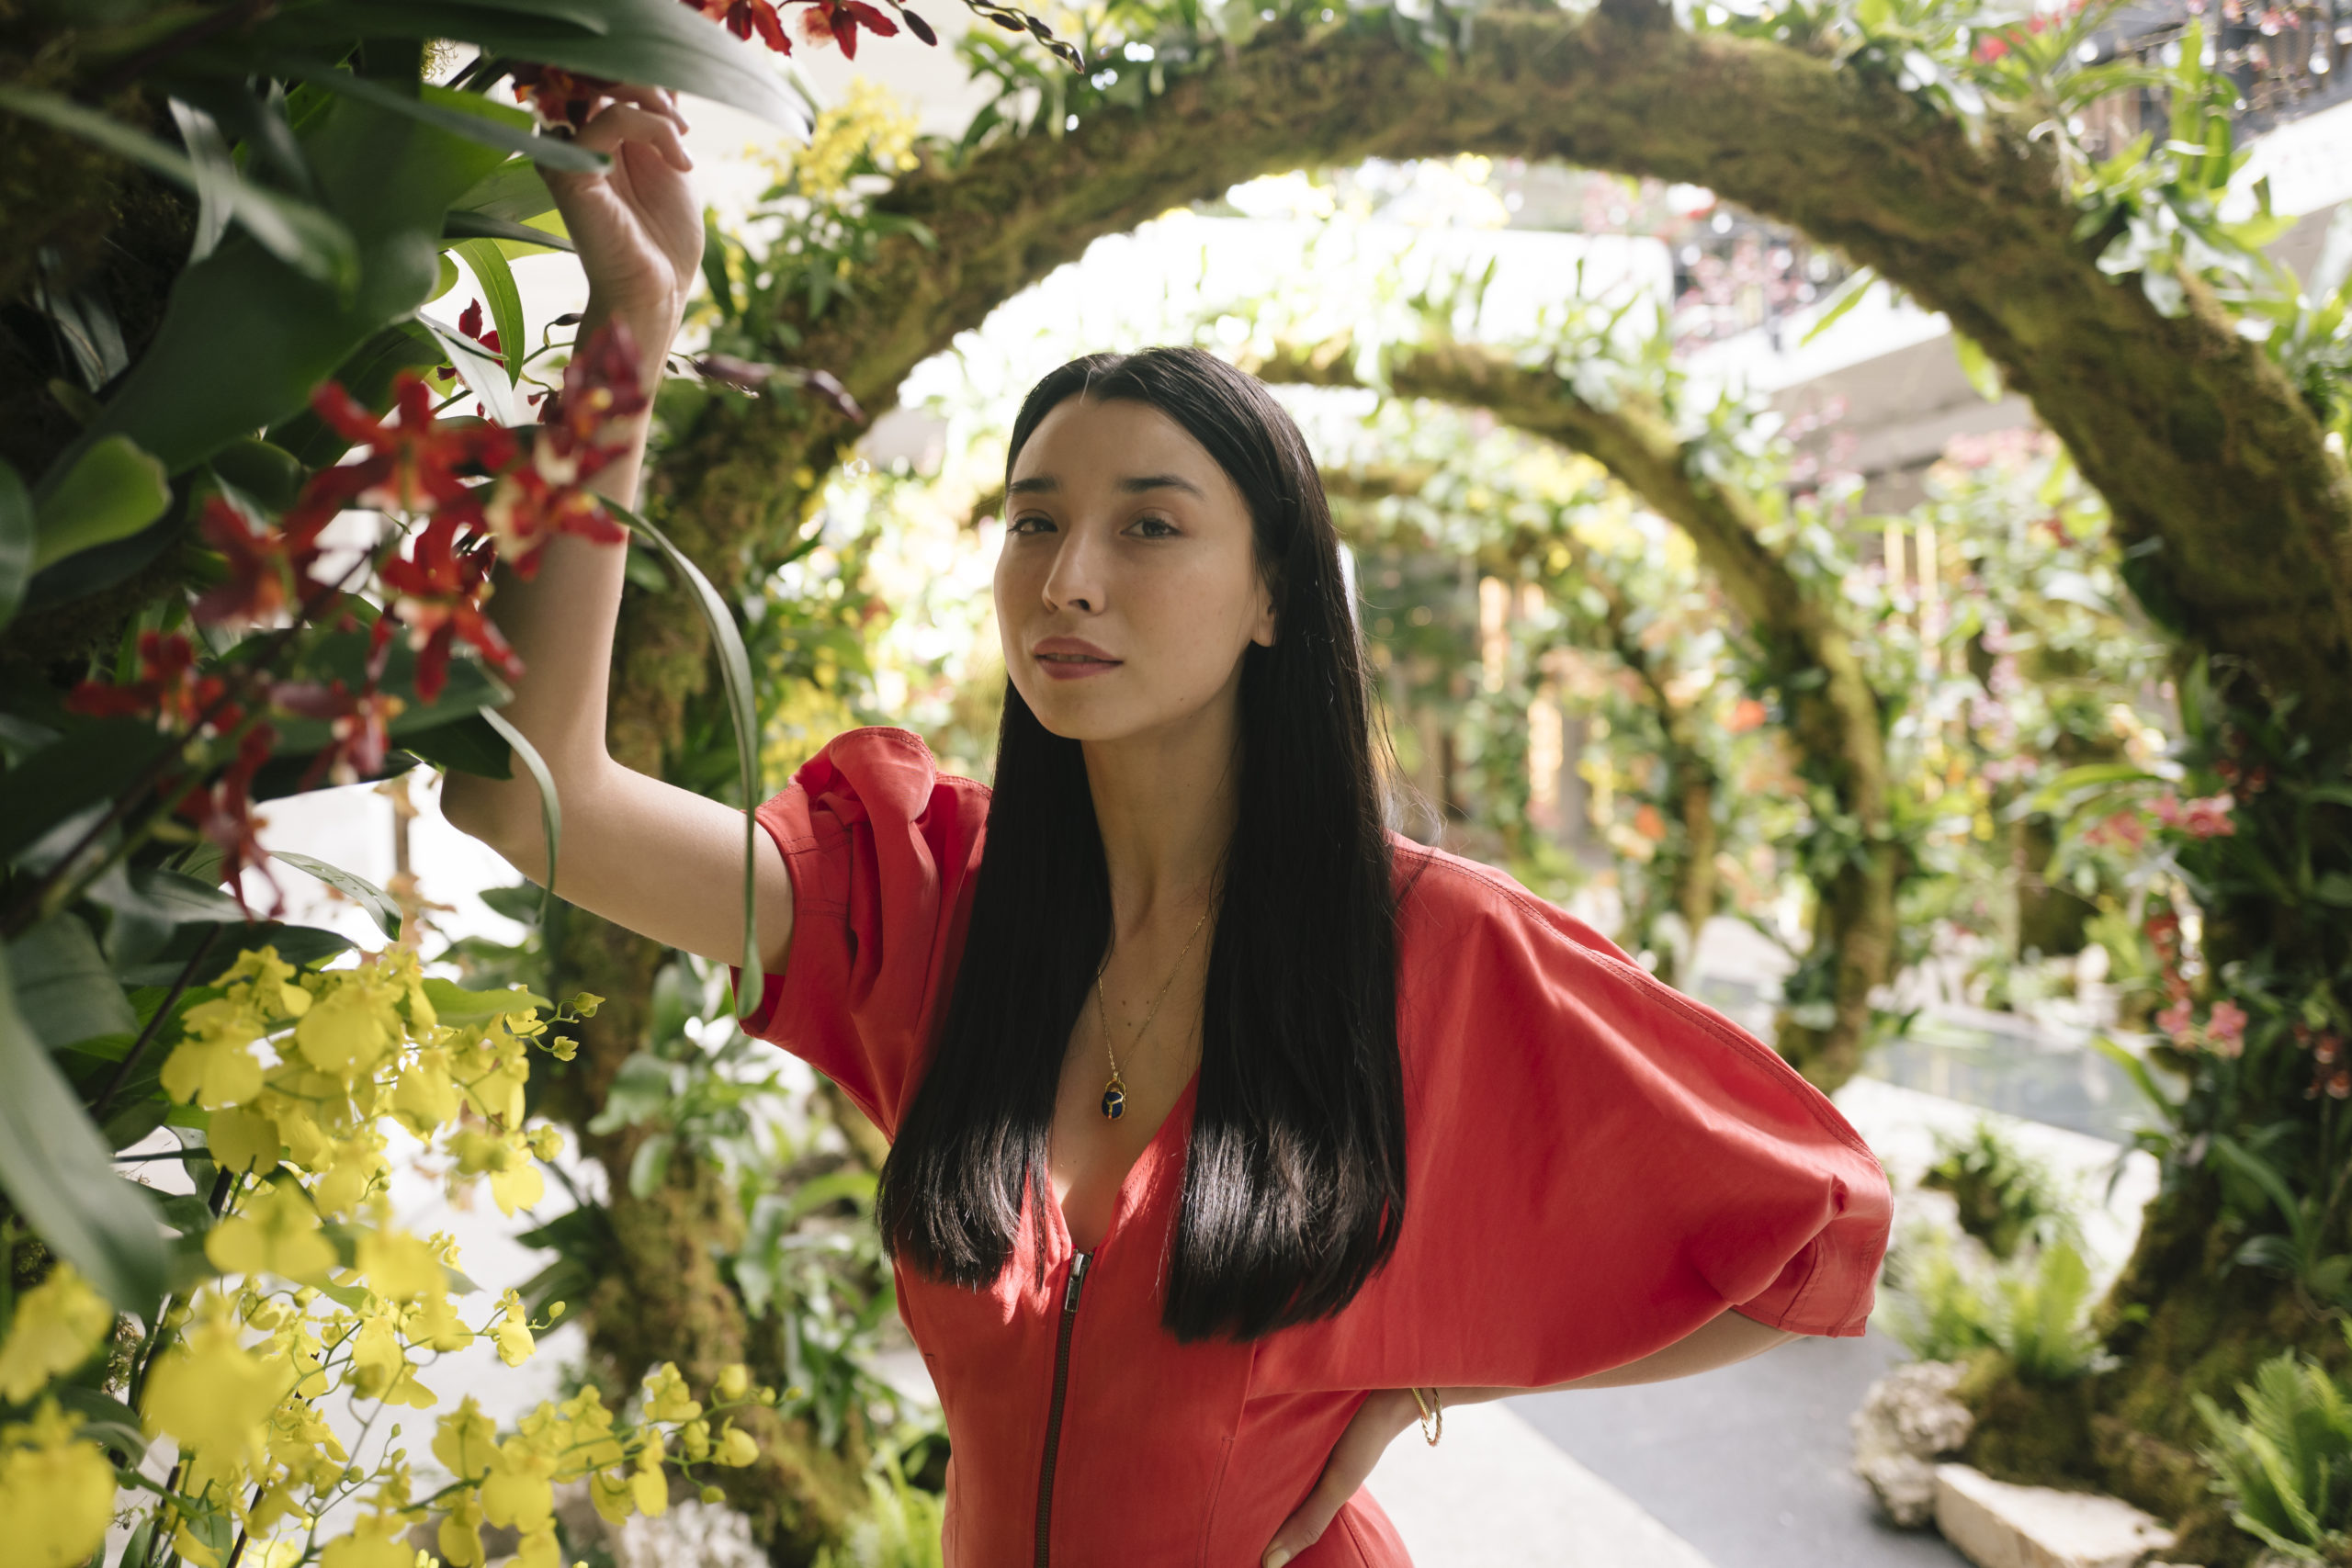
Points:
(58, 1497)
(211, 1394)
(400, 1267)
(58, 1322)
(243, 1140)
(276, 1233)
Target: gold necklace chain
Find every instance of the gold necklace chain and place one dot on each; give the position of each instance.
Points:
(1114, 1091)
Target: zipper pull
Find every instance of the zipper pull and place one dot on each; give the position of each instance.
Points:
(1077, 1281)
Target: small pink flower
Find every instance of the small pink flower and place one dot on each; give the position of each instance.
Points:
(2178, 1021)
(2328, 1049)
(2208, 818)
(2225, 1030)
(2340, 1085)
(2125, 829)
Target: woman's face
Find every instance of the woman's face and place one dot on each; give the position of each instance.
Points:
(1128, 588)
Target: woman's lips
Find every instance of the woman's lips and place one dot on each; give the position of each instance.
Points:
(1074, 666)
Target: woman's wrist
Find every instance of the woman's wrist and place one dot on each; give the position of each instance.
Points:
(652, 326)
(1398, 1408)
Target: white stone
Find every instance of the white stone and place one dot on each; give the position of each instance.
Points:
(1907, 1420)
(1997, 1524)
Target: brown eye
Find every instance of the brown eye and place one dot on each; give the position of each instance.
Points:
(1155, 527)
(1031, 523)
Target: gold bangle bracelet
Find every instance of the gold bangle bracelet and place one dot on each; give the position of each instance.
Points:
(1432, 1419)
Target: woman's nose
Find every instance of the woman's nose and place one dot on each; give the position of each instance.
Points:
(1074, 583)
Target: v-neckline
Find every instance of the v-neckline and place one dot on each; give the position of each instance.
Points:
(1150, 1154)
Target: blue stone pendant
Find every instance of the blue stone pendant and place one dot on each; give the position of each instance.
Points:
(1114, 1101)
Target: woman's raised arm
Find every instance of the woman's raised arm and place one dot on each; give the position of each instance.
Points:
(645, 854)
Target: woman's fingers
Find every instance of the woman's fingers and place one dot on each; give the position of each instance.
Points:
(655, 100)
(1352, 1457)
(618, 122)
(1306, 1527)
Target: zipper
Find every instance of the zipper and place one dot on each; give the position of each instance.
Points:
(1077, 1264)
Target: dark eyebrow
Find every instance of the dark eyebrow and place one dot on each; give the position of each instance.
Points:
(1046, 484)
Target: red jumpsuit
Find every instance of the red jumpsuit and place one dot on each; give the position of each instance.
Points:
(1596, 1166)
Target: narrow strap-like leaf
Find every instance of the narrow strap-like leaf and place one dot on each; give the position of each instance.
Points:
(550, 805)
(735, 669)
(16, 541)
(359, 889)
(481, 371)
(489, 266)
(58, 1173)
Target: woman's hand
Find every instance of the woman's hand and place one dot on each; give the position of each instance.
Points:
(637, 225)
(1384, 1412)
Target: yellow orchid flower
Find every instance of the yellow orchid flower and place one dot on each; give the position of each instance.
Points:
(58, 1322)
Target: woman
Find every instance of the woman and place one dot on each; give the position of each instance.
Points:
(1230, 1133)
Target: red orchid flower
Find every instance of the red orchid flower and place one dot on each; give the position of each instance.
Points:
(360, 722)
(743, 17)
(837, 21)
(224, 812)
(470, 325)
(558, 96)
(602, 388)
(412, 463)
(439, 599)
(168, 688)
(526, 510)
(268, 566)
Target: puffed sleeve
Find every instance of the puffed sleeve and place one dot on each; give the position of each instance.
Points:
(1597, 1165)
(883, 851)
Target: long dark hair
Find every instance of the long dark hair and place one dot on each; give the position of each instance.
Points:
(1295, 1183)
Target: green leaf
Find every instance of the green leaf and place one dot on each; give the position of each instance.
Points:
(513, 191)
(83, 766)
(506, 236)
(271, 476)
(106, 1421)
(481, 372)
(216, 176)
(468, 746)
(651, 1167)
(309, 241)
(2263, 1174)
(113, 491)
(367, 375)
(464, 114)
(452, 1003)
(16, 541)
(665, 45)
(714, 264)
(550, 804)
(58, 1173)
(1849, 294)
(2334, 887)
(66, 993)
(735, 670)
(366, 894)
(391, 179)
(490, 270)
(1978, 366)
(164, 898)
(2165, 1106)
